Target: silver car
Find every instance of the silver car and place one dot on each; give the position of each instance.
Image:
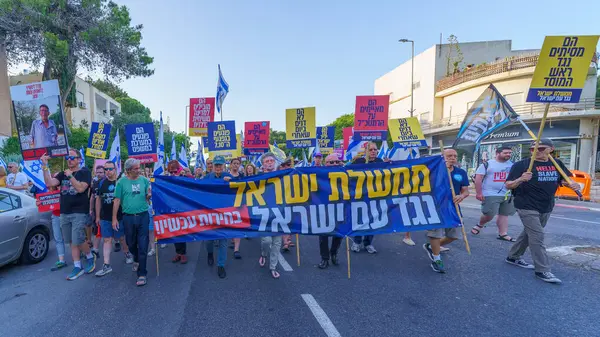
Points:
(24, 232)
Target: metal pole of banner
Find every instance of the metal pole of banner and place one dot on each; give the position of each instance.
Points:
(298, 249)
(558, 168)
(462, 225)
(348, 254)
(157, 251)
(539, 136)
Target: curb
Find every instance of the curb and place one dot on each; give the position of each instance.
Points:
(568, 255)
(578, 207)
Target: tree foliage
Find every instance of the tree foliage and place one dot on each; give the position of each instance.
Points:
(342, 122)
(108, 87)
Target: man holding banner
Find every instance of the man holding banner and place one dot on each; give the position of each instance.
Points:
(331, 160)
(269, 245)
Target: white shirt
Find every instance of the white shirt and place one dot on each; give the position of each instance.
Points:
(18, 179)
(495, 177)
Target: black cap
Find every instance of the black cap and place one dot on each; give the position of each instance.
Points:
(544, 142)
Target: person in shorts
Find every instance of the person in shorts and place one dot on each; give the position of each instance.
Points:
(74, 187)
(105, 194)
(93, 231)
(443, 236)
(494, 197)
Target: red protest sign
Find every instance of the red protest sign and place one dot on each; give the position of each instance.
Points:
(49, 201)
(256, 137)
(371, 117)
(202, 111)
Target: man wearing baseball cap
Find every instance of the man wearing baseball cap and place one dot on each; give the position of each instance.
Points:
(534, 200)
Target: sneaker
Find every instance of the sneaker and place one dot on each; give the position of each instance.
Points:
(128, 258)
(519, 263)
(438, 266)
(75, 273)
(355, 247)
(324, 264)
(444, 249)
(106, 268)
(427, 248)
(96, 253)
(117, 247)
(370, 249)
(408, 241)
(151, 252)
(210, 259)
(548, 277)
(221, 272)
(58, 265)
(334, 260)
(90, 264)
(135, 267)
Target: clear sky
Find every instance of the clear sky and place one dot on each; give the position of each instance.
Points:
(278, 54)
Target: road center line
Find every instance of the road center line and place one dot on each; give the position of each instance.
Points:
(321, 316)
(563, 218)
(284, 264)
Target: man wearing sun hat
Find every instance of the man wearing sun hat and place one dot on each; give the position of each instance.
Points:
(534, 200)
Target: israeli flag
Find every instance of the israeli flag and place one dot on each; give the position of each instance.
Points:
(383, 151)
(279, 154)
(115, 152)
(3, 164)
(200, 162)
(35, 174)
(315, 152)
(183, 160)
(398, 153)
(222, 91)
(173, 150)
(82, 155)
(353, 148)
(304, 162)
(159, 168)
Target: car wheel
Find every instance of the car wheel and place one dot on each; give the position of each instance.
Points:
(35, 247)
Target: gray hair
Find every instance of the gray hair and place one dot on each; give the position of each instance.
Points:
(266, 155)
(13, 164)
(130, 162)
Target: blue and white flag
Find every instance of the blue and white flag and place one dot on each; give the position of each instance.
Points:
(315, 152)
(159, 168)
(353, 148)
(115, 152)
(3, 164)
(183, 160)
(222, 91)
(33, 171)
(304, 161)
(173, 149)
(82, 155)
(279, 154)
(384, 150)
(200, 162)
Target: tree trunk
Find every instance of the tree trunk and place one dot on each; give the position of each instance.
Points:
(5, 100)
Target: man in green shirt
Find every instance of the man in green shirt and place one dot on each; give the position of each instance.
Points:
(132, 194)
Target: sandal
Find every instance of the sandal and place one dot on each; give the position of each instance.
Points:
(141, 281)
(275, 274)
(262, 261)
(286, 247)
(505, 237)
(475, 230)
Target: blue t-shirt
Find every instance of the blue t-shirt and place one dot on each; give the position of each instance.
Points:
(459, 179)
(212, 176)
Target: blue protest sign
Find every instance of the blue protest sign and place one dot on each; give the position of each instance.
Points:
(141, 143)
(221, 136)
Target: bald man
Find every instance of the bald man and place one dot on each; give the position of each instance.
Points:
(443, 236)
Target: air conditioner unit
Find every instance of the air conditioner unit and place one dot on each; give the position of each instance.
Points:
(82, 105)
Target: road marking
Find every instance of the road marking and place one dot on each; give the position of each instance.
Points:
(284, 264)
(563, 218)
(579, 207)
(321, 316)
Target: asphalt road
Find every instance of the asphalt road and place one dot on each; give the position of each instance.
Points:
(393, 293)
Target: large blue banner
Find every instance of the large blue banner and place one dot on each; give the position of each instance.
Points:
(364, 199)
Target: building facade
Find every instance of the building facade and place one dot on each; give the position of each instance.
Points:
(443, 96)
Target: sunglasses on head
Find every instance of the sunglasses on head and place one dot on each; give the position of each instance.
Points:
(71, 157)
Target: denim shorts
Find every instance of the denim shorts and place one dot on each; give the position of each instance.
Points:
(73, 227)
(107, 231)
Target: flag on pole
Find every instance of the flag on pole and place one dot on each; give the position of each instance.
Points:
(489, 113)
(82, 155)
(183, 160)
(222, 91)
(159, 168)
(279, 154)
(200, 162)
(304, 159)
(315, 152)
(3, 164)
(33, 171)
(173, 150)
(353, 148)
(384, 150)
(115, 152)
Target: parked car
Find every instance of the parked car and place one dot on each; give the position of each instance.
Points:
(25, 233)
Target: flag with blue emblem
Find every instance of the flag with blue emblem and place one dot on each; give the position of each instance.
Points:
(315, 152)
(173, 149)
(82, 155)
(222, 91)
(35, 174)
(353, 148)
(159, 168)
(115, 152)
(183, 160)
(384, 150)
(200, 162)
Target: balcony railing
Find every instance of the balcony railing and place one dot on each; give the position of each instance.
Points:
(526, 111)
(496, 67)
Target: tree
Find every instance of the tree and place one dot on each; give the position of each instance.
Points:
(131, 106)
(108, 87)
(69, 34)
(342, 122)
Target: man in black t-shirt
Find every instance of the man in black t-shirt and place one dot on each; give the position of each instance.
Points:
(93, 231)
(534, 200)
(74, 184)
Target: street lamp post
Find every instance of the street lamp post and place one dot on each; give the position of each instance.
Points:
(412, 72)
(187, 110)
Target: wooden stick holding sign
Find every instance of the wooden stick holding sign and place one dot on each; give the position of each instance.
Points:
(539, 136)
(348, 254)
(558, 168)
(157, 250)
(462, 225)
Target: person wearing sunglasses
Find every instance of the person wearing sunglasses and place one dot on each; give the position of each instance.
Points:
(269, 245)
(16, 180)
(331, 160)
(287, 239)
(74, 187)
(533, 194)
(175, 169)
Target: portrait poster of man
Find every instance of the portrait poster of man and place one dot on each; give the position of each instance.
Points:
(39, 119)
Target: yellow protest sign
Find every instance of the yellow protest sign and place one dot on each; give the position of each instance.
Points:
(562, 68)
(406, 132)
(300, 128)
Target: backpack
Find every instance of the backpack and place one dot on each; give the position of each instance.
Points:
(485, 165)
